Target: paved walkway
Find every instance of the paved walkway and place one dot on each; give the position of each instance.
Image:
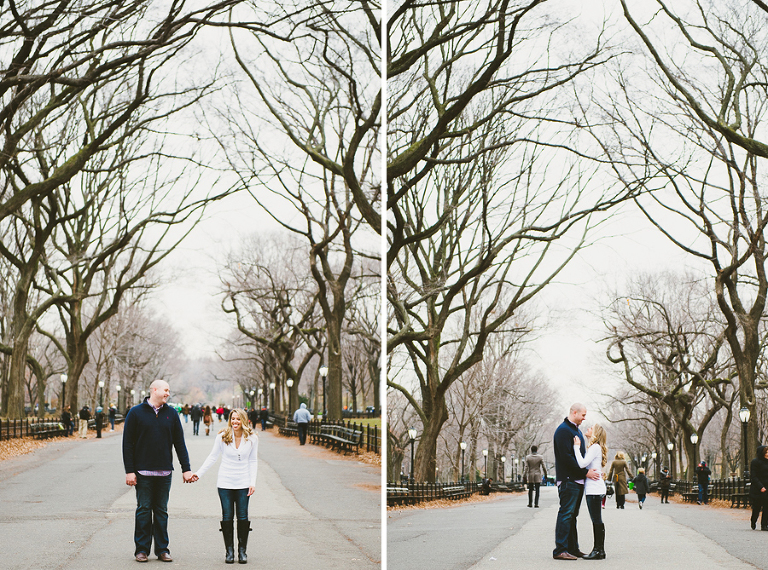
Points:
(503, 534)
(67, 507)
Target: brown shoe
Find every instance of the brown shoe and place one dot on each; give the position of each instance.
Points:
(564, 556)
(141, 557)
(165, 557)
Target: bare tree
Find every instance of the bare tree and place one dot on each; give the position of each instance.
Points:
(274, 301)
(82, 82)
(666, 332)
(315, 80)
(454, 67)
(313, 84)
(689, 132)
(59, 57)
(506, 232)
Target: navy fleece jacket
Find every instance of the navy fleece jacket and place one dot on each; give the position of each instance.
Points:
(566, 467)
(148, 439)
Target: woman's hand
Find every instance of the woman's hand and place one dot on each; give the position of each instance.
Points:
(251, 490)
(576, 440)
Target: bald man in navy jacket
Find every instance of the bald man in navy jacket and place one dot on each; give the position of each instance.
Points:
(570, 483)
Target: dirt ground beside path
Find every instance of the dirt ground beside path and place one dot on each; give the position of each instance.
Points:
(22, 445)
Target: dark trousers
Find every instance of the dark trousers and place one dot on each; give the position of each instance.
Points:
(302, 432)
(703, 493)
(195, 427)
(595, 508)
(620, 500)
(151, 513)
(664, 494)
(263, 425)
(760, 504)
(531, 488)
(566, 537)
(234, 501)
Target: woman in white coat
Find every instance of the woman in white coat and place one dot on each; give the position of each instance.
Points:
(238, 447)
(595, 458)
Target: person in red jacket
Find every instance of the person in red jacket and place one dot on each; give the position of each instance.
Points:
(152, 430)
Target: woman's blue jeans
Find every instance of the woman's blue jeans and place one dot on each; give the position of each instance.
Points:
(595, 507)
(234, 500)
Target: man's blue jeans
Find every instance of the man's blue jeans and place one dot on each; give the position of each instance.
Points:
(231, 500)
(566, 538)
(152, 513)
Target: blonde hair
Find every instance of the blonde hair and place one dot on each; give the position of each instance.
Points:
(620, 455)
(599, 436)
(228, 433)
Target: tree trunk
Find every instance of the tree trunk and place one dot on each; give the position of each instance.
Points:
(334, 399)
(75, 368)
(394, 458)
(14, 398)
(426, 453)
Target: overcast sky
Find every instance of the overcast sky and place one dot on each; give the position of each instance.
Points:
(189, 299)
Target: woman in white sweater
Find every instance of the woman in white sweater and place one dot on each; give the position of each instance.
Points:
(595, 458)
(238, 447)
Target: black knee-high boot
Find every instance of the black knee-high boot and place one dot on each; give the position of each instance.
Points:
(243, 528)
(228, 531)
(598, 551)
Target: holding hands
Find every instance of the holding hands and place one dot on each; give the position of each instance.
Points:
(189, 477)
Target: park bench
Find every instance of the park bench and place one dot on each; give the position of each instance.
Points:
(399, 496)
(739, 500)
(47, 429)
(457, 492)
(691, 497)
(290, 429)
(340, 438)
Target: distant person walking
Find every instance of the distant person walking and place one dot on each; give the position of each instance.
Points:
(302, 418)
(196, 414)
(112, 417)
(570, 483)
(595, 458)
(99, 421)
(263, 417)
(702, 476)
(238, 447)
(85, 415)
(619, 474)
(207, 419)
(758, 489)
(665, 481)
(642, 487)
(185, 412)
(253, 417)
(533, 468)
(66, 420)
(152, 430)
